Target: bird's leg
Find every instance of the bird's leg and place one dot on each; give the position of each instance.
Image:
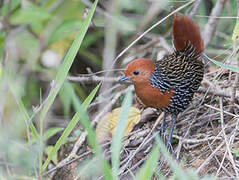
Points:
(163, 125)
(169, 141)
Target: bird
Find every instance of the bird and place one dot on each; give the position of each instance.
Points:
(170, 83)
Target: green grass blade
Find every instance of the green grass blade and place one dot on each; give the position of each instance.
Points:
(225, 66)
(62, 73)
(21, 106)
(67, 62)
(70, 126)
(88, 100)
(178, 171)
(27, 118)
(147, 171)
(91, 137)
(119, 132)
(48, 134)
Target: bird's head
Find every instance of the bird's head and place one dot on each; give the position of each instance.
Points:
(138, 71)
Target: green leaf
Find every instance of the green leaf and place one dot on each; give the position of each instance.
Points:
(88, 100)
(51, 132)
(64, 95)
(70, 127)
(48, 134)
(64, 29)
(29, 14)
(85, 122)
(14, 5)
(91, 56)
(0, 71)
(235, 151)
(118, 135)
(2, 42)
(48, 150)
(21, 107)
(91, 38)
(180, 174)
(60, 78)
(34, 133)
(91, 137)
(235, 34)
(147, 171)
(27, 41)
(225, 66)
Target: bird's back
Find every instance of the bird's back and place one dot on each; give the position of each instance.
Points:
(181, 72)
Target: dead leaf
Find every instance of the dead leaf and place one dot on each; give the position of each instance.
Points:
(106, 126)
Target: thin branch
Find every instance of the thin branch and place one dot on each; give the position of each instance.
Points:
(228, 149)
(211, 25)
(152, 27)
(95, 79)
(210, 157)
(145, 141)
(92, 79)
(195, 8)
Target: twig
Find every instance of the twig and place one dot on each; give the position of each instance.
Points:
(82, 138)
(195, 8)
(94, 79)
(145, 141)
(210, 157)
(230, 141)
(211, 25)
(194, 141)
(71, 161)
(81, 156)
(153, 11)
(152, 27)
(217, 92)
(226, 140)
(217, 109)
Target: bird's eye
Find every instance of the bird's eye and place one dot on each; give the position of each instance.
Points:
(136, 72)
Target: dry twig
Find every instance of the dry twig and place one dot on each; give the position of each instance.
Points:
(228, 150)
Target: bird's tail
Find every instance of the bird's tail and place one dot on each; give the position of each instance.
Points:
(185, 31)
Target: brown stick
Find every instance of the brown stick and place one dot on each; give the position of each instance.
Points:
(95, 79)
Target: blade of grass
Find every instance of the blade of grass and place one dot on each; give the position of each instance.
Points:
(225, 66)
(180, 174)
(27, 118)
(62, 73)
(21, 106)
(48, 134)
(91, 137)
(176, 168)
(146, 172)
(70, 126)
(119, 132)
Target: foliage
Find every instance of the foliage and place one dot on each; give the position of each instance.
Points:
(44, 41)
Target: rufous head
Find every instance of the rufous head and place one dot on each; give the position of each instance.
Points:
(138, 71)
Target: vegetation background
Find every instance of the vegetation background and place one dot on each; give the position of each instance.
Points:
(48, 107)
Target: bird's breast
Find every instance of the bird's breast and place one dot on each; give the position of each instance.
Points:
(153, 97)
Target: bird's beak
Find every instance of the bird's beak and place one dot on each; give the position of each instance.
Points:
(124, 78)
